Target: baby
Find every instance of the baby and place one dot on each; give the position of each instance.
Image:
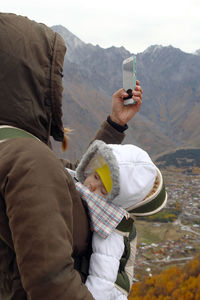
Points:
(116, 182)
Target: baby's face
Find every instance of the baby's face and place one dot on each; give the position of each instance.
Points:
(94, 184)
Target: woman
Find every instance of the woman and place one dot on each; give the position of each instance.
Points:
(44, 231)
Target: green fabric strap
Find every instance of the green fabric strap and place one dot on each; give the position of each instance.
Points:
(123, 281)
(11, 133)
(126, 225)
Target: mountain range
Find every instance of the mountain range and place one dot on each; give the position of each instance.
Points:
(170, 78)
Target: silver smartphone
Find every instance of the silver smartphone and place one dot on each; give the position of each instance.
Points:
(129, 78)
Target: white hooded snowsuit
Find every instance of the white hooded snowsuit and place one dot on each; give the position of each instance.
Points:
(136, 183)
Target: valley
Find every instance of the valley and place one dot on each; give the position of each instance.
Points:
(161, 245)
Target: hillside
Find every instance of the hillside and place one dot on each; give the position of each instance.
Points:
(171, 102)
(174, 283)
(167, 262)
(187, 159)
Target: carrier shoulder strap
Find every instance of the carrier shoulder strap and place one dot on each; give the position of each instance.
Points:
(9, 132)
(125, 273)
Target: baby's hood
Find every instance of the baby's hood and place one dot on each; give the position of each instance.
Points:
(133, 174)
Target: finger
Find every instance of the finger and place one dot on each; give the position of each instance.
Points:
(137, 94)
(138, 88)
(121, 93)
(137, 82)
(138, 100)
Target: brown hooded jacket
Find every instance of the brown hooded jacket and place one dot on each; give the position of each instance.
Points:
(44, 229)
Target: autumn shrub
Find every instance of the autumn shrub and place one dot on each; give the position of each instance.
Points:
(165, 216)
(174, 283)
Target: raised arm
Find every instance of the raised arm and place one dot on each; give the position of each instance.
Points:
(112, 130)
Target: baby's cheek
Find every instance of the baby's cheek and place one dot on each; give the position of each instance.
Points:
(99, 193)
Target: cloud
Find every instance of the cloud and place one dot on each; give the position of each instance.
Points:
(129, 23)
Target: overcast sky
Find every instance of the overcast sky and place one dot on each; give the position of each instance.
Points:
(133, 24)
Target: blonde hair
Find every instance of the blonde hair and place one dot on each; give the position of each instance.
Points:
(65, 142)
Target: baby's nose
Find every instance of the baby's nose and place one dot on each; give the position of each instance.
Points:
(93, 187)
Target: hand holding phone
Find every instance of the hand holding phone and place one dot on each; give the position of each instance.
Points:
(129, 78)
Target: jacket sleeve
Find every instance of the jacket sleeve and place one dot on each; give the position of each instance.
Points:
(104, 265)
(39, 209)
(109, 134)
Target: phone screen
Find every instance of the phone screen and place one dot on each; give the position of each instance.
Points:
(129, 77)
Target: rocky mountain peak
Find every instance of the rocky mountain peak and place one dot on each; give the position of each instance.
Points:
(197, 52)
(169, 116)
(68, 36)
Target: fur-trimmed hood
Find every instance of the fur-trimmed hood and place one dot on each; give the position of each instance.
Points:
(136, 181)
